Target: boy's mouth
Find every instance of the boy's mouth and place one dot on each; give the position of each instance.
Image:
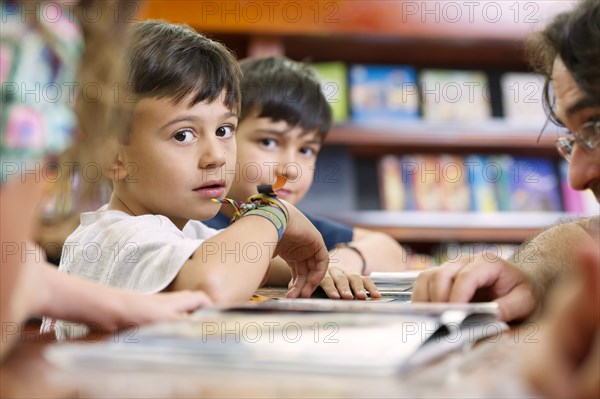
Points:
(211, 189)
(284, 193)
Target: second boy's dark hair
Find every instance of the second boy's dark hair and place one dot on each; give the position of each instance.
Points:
(282, 89)
(175, 61)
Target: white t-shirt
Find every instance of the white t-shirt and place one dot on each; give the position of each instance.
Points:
(140, 253)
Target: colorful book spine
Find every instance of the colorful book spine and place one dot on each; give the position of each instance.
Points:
(427, 187)
(391, 187)
(502, 164)
(483, 195)
(409, 168)
(455, 190)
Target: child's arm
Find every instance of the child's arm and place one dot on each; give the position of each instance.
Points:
(31, 287)
(380, 251)
(63, 296)
(230, 266)
(19, 198)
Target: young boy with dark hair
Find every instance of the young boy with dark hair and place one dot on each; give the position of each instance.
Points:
(284, 120)
(176, 157)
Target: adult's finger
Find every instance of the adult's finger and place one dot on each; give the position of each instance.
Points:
(420, 291)
(441, 281)
(518, 304)
(473, 277)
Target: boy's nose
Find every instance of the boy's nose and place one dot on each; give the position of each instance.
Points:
(584, 167)
(213, 155)
(289, 169)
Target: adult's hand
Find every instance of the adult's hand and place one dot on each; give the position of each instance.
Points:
(484, 277)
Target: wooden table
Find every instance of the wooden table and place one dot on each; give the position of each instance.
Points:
(490, 369)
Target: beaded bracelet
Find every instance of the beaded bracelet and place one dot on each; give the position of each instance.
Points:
(264, 204)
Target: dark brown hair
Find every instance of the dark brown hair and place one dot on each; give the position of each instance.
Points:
(573, 36)
(175, 61)
(282, 89)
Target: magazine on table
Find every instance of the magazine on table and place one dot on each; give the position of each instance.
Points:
(358, 337)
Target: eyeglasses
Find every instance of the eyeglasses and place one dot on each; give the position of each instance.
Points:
(588, 136)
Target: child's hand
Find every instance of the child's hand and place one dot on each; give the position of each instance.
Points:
(340, 284)
(135, 308)
(302, 247)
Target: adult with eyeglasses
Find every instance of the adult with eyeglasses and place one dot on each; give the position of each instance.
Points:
(566, 362)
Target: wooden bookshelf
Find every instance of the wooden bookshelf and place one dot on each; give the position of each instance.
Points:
(493, 21)
(376, 31)
(454, 226)
(394, 32)
(493, 134)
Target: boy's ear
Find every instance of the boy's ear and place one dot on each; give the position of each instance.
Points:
(114, 167)
(116, 171)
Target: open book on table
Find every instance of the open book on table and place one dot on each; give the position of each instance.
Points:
(395, 283)
(364, 338)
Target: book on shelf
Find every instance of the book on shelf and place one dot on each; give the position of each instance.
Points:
(426, 184)
(383, 93)
(409, 166)
(454, 182)
(333, 77)
(455, 96)
(503, 186)
(483, 188)
(364, 338)
(479, 183)
(535, 185)
(393, 195)
(522, 98)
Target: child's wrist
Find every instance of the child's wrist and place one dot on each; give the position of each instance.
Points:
(264, 204)
(273, 214)
(357, 252)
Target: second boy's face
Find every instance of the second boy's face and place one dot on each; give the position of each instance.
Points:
(267, 149)
(178, 157)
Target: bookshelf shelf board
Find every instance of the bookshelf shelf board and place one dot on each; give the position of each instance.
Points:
(374, 18)
(415, 226)
(476, 135)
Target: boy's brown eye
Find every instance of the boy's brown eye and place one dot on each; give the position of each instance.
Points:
(269, 143)
(183, 136)
(307, 151)
(224, 131)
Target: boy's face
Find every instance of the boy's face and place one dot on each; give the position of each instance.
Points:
(177, 157)
(266, 149)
